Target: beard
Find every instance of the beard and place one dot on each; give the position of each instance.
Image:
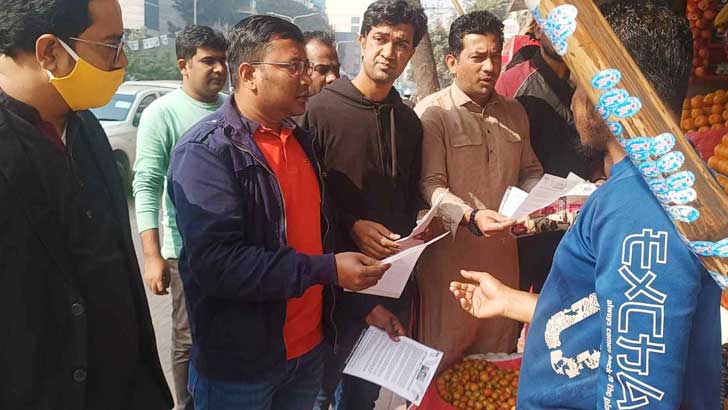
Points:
(551, 53)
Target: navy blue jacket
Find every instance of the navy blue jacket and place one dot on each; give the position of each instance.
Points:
(237, 269)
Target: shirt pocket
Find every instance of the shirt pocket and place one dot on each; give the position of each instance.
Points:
(463, 139)
(507, 148)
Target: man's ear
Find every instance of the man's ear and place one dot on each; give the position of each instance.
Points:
(47, 52)
(452, 63)
(362, 42)
(247, 74)
(182, 65)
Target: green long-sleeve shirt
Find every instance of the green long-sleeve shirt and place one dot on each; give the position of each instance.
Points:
(162, 124)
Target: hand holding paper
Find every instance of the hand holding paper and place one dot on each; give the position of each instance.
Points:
(422, 224)
(395, 278)
(518, 204)
(405, 367)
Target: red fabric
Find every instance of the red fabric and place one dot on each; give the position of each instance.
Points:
(510, 81)
(513, 45)
(302, 199)
(433, 401)
(50, 132)
(706, 141)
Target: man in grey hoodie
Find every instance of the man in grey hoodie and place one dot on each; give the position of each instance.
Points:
(370, 144)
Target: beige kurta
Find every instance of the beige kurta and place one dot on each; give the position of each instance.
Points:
(476, 152)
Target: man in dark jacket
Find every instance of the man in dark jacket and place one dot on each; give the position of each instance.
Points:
(252, 215)
(371, 146)
(541, 84)
(76, 327)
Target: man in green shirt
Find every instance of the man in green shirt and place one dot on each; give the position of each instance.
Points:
(201, 60)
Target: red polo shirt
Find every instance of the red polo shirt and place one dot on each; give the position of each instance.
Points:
(299, 185)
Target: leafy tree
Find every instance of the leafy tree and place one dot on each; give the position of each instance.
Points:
(154, 64)
(438, 37)
(497, 7)
(227, 12)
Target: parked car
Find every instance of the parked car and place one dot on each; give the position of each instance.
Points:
(120, 119)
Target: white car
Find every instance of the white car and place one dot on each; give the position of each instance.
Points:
(120, 119)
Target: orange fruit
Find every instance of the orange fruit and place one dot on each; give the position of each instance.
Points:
(716, 109)
(686, 104)
(697, 101)
(715, 119)
(708, 100)
(725, 124)
(720, 92)
(704, 128)
(719, 99)
(687, 124)
(724, 139)
(713, 161)
(696, 112)
(700, 121)
(717, 126)
(725, 115)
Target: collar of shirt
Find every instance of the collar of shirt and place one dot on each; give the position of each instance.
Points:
(463, 100)
(283, 134)
(31, 115)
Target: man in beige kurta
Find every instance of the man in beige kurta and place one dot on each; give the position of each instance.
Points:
(476, 150)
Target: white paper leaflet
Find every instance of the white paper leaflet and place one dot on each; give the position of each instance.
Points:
(518, 204)
(405, 367)
(422, 224)
(395, 278)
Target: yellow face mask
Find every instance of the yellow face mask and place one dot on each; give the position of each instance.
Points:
(86, 86)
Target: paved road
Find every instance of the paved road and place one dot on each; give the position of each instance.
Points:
(161, 311)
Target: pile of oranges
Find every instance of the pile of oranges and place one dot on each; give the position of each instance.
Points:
(705, 112)
(476, 384)
(719, 162)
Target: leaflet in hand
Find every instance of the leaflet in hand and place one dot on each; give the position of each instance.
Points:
(422, 224)
(405, 367)
(518, 204)
(395, 278)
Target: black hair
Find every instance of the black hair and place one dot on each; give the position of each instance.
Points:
(394, 12)
(324, 37)
(659, 41)
(476, 22)
(23, 21)
(193, 37)
(250, 37)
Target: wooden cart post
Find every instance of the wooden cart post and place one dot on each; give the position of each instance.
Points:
(614, 83)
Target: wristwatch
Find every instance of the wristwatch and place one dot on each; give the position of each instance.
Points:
(472, 226)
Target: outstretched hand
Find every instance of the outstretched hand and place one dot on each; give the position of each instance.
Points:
(483, 299)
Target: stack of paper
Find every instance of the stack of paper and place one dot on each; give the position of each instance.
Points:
(405, 367)
(395, 278)
(517, 204)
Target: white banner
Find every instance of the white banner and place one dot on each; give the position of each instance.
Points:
(150, 42)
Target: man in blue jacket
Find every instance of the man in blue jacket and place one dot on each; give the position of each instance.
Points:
(628, 318)
(252, 215)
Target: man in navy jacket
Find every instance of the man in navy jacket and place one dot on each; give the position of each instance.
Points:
(251, 211)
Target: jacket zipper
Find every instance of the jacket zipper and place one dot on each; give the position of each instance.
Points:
(285, 224)
(278, 184)
(326, 233)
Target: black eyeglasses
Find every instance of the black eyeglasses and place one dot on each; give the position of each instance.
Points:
(296, 68)
(119, 47)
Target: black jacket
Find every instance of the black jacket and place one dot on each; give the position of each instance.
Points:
(372, 155)
(45, 340)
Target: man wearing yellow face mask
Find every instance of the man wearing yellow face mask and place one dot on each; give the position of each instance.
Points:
(77, 333)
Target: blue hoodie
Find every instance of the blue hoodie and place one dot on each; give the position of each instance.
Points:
(628, 317)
